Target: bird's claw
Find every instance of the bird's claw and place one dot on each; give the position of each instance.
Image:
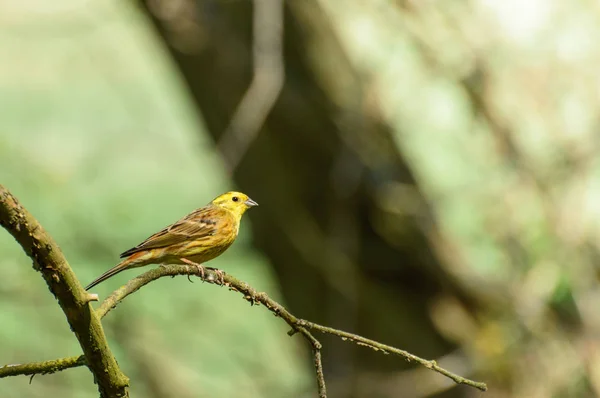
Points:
(199, 267)
(202, 271)
(221, 276)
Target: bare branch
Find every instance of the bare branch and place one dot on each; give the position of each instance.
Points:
(208, 275)
(250, 294)
(316, 348)
(298, 325)
(386, 349)
(72, 298)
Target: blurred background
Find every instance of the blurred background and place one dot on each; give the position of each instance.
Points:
(427, 171)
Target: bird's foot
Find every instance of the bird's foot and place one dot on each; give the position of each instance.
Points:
(199, 267)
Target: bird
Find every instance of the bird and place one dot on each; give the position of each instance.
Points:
(196, 238)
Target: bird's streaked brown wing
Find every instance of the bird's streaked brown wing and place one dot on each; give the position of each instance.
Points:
(200, 224)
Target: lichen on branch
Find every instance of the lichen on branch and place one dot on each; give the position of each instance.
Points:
(72, 298)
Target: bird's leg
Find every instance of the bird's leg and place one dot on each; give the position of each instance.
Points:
(199, 267)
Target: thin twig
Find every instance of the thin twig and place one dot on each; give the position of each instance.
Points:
(72, 298)
(42, 368)
(386, 349)
(267, 82)
(316, 349)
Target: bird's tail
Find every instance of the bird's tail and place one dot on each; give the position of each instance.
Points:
(122, 266)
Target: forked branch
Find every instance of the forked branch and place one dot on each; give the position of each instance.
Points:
(298, 325)
(250, 294)
(72, 298)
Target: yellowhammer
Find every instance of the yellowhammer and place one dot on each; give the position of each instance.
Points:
(198, 237)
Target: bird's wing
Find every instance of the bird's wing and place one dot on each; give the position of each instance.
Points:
(198, 225)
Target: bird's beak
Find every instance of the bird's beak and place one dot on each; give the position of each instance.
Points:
(250, 203)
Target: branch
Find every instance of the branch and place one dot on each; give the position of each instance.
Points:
(298, 325)
(208, 275)
(386, 349)
(72, 298)
(46, 367)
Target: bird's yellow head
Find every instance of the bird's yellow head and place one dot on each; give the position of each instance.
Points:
(235, 202)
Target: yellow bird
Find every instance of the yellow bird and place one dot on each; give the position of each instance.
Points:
(198, 237)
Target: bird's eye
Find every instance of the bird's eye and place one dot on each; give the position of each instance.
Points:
(235, 198)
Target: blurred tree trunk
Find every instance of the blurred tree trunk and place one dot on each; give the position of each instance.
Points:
(322, 167)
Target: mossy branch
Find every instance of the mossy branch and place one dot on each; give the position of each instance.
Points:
(41, 368)
(72, 298)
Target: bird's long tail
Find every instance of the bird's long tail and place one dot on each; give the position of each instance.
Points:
(122, 266)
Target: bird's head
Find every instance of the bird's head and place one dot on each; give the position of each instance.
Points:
(235, 202)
